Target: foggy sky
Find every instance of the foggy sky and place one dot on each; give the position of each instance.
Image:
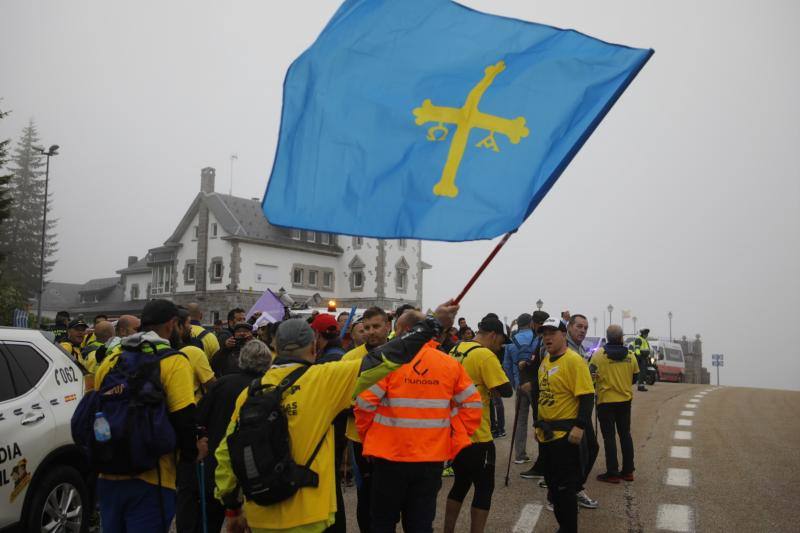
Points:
(685, 199)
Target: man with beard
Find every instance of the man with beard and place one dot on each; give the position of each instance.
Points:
(376, 327)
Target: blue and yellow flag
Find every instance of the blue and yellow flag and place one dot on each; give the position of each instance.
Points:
(425, 119)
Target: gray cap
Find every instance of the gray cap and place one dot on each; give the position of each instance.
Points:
(293, 334)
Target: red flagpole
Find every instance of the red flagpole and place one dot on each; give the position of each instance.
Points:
(480, 270)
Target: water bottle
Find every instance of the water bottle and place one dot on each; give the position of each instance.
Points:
(102, 431)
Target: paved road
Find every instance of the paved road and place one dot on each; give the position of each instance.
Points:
(741, 474)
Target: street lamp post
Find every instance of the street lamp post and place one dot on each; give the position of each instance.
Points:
(610, 310)
(539, 304)
(669, 315)
(53, 150)
(594, 319)
(634, 325)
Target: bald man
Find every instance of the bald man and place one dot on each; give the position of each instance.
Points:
(127, 325)
(202, 337)
(103, 332)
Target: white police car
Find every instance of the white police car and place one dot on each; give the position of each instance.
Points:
(44, 476)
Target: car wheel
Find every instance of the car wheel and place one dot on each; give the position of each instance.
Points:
(680, 378)
(60, 502)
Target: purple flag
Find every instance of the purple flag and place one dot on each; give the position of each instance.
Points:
(270, 306)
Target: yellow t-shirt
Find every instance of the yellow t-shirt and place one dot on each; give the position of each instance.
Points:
(201, 369)
(310, 405)
(209, 340)
(176, 378)
(484, 369)
(614, 378)
(560, 383)
(356, 354)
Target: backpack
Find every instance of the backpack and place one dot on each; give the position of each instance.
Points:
(260, 448)
(461, 356)
(525, 349)
(133, 401)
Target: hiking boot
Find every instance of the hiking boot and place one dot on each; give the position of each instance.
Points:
(585, 501)
(641, 388)
(609, 477)
(522, 460)
(542, 484)
(627, 477)
(531, 473)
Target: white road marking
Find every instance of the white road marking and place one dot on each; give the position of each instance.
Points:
(679, 477)
(698, 396)
(673, 517)
(694, 400)
(684, 422)
(687, 413)
(682, 435)
(691, 406)
(528, 518)
(681, 452)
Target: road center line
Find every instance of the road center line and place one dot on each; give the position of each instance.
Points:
(682, 435)
(694, 400)
(691, 406)
(679, 477)
(687, 413)
(680, 452)
(673, 517)
(528, 518)
(685, 422)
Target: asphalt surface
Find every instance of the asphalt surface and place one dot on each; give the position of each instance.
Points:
(742, 473)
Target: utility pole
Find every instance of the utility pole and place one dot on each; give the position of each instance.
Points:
(53, 150)
(594, 319)
(234, 157)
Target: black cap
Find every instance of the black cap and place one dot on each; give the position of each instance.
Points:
(243, 325)
(158, 312)
(77, 323)
(524, 320)
(491, 324)
(539, 317)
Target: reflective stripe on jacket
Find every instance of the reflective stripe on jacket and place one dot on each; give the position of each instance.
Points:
(424, 411)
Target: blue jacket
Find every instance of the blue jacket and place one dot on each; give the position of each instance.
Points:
(513, 355)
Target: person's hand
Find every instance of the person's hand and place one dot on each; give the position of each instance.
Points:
(202, 449)
(230, 342)
(522, 364)
(446, 313)
(526, 388)
(237, 524)
(575, 435)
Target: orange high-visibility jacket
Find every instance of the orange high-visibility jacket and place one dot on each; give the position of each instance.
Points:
(423, 411)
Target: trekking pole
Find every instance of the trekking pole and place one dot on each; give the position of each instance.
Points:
(201, 475)
(513, 437)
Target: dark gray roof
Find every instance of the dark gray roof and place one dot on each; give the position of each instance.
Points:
(138, 266)
(243, 218)
(60, 296)
(100, 284)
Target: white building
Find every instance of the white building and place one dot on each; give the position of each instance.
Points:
(225, 254)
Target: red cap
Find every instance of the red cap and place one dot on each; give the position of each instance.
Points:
(325, 323)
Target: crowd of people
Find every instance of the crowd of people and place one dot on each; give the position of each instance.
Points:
(264, 423)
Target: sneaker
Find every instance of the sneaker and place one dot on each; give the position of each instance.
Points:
(641, 388)
(585, 501)
(531, 473)
(542, 484)
(609, 477)
(522, 460)
(448, 472)
(499, 434)
(627, 477)
(549, 506)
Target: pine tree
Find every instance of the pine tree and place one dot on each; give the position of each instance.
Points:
(5, 179)
(20, 235)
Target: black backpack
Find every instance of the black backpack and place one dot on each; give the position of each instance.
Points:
(260, 447)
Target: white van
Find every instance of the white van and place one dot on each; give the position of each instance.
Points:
(667, 357)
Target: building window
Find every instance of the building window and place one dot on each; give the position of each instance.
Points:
(312, 278)
(214, 316)
(327, 280)
(162, 279)
(296, 234)
(401, 275)
(311, 236)
(325, 238)
(189, 273)
(214, 229)
(196, 232)
(216, 269)
(135, 291)
(358, 242)
(357, 279)
(297, 276)
(401, 243)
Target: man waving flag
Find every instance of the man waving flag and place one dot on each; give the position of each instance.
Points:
(408, 119)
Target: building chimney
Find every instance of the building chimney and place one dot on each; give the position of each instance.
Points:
(207, 180)
(132, 260)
